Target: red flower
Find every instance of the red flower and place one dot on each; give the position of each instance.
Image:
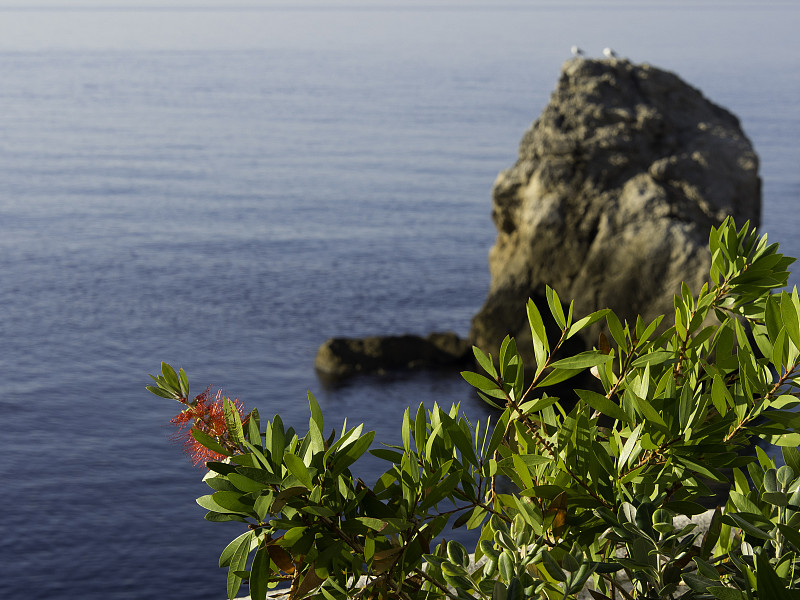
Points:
(205, 413)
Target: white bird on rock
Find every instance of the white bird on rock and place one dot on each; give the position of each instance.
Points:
(576, 51)
(609, 53)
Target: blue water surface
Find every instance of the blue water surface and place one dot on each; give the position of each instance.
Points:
(225, 189)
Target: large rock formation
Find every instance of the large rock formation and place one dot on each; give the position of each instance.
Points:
(612, 198)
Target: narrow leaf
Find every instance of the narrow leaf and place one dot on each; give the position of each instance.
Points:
(484, 361)
(603, 404)
(584, 360)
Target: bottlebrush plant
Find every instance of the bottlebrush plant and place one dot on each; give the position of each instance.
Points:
(563, 494)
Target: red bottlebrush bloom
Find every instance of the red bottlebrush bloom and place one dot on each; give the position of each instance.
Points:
(205, 413)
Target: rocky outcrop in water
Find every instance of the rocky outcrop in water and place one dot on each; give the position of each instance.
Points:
(342, 357)
(611, 200)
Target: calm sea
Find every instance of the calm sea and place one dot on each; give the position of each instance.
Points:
(224, 189)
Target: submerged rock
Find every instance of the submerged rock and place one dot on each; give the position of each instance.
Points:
(612, 198)
(342, 357)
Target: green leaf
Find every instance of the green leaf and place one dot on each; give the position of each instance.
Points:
(628, 448)
(586, 321)
(584, 360)
(790, 319)
(498, 433)
(775, 498)
(686, 406)
(216, 517)
(278, 439)
(457, 553)
(556, 309)
(407, 431)
(462, 442)
(386, 454)
(720, 396)
(170, 377)
(557, 376)
(541, 346)
(237, 563)
(785, 401)
(537, 404)
(184, 383)
(159, 392)
(785, 476)
(253, 430)
(246, 484)
(373, 523)
(650, 414)
(284, 496)
(711, 536)
(262, 505)
(705, 471)
(769, 584)
(298, 468)
(604, 405)
(316, 412)
(655, 358)
(522, 471)
(233, 421)
(259, 574)
(227, 553)
(231, 502)
(685, 507)
(208, 503)
(506, 565)
(771, 480)
(319, 511)
(787, 439)
(552, 567)
(462, 519)
(221, 467)
(649, 330)
(791, 534)
(746, 526)
(259, 475)
(420, 429)
(508, 349)
(726, 593)
(484, 361)
(317, 441)
(209, 442)
(791, 456)
(352, 452)
(617, 332)
(479, 381)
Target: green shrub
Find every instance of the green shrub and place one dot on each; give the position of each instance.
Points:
(560, 494)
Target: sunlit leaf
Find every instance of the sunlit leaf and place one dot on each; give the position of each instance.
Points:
(298, 469)
(604, 405)
(584, 360)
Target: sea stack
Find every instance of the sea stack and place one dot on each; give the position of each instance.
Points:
(612, 198)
